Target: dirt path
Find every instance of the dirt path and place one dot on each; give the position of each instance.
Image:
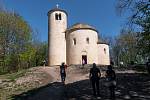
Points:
(72, 75)
(130, 86)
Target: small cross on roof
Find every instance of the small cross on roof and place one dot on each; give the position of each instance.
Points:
(57, 5)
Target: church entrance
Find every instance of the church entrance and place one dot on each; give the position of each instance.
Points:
(84, 59)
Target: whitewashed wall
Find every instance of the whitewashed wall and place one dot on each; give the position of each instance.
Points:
(103, 56)
(75, 52)
(57, 42)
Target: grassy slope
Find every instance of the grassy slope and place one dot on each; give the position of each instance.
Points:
(7, 88)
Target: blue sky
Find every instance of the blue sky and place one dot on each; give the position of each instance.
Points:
(99, 13)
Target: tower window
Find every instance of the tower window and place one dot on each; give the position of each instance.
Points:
(87, 40)
(74, 41)
(104, 50)
(59, 16)
(56, 16)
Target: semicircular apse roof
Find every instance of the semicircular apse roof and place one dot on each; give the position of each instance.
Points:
(79, 26)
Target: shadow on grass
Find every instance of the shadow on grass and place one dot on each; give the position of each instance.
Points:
(129, 86)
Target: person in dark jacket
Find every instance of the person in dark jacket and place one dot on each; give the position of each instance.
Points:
(95, 77)
(63, 72)
(111, 78)
(148, 66)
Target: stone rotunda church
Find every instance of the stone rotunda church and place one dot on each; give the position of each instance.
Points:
(75, 45)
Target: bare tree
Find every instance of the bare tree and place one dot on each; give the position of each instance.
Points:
(139, 11)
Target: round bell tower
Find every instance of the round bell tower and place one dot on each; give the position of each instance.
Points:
(57, 25)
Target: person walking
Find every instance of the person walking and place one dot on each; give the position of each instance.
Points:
(83, 63)
(95, 77)
(148, 66)
(111, 79)
(63, 72)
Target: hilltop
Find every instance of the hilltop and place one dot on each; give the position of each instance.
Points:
(43, 83)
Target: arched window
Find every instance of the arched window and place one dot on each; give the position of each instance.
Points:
(104, 50)
(59, 16)
(87, 40)
(56, 16)
(74, 41)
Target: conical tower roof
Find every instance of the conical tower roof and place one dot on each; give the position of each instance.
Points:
(56, 9)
